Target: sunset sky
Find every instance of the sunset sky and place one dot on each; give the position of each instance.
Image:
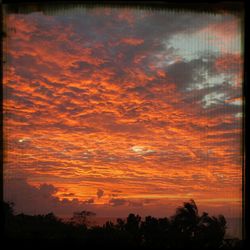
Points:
(118, 110)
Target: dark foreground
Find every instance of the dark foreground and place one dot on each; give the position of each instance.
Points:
(185, 229)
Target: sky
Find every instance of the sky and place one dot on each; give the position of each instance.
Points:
(119, 110)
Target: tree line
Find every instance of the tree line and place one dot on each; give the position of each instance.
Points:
(185, 229)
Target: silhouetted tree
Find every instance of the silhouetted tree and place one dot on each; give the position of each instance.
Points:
(120, 224)
(155, 232)
(132, 226)
(8, 217)
(185, 229)
(8, 210)
(81, 218)
(133, 223)
(211, 230)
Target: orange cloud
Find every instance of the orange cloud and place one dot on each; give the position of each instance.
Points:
(229, 63)
(132, 41)
(83, 116)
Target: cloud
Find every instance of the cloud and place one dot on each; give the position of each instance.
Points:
(124, 105)
(89, 201)
(141, 150)
(116, 191)
(47, 190)
(132, 41)
(68, 194)
(135, 204)
(229, 63)
(117, 202)
(187, 74)
(39, 200)
(99, 193)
